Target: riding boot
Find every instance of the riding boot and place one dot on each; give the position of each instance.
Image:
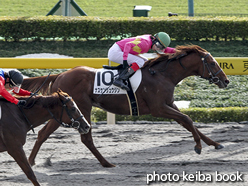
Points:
(120, 81)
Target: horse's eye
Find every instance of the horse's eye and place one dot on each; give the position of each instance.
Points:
(213, 63)
(73, 109)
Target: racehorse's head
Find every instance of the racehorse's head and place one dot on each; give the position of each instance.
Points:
(212, 71)
(73, 115)
(188, 57)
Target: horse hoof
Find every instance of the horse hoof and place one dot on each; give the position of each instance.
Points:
(32, 163)
(219, 147)
(108, 165)
(197, 150)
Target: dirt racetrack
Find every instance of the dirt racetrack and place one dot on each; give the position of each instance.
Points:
(141, 152)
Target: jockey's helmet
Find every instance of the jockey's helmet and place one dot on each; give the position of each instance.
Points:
(163, 39)
(15, 78)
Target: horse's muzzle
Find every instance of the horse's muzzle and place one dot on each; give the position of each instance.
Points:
(223, 83)
(84, 129)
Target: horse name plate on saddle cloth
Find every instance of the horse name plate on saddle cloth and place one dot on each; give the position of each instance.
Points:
(103, 84)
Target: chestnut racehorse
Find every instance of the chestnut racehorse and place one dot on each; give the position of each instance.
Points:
(15, 123)
(154, 95)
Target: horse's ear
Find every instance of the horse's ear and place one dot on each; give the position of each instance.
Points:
(61, 93)
(59, 90)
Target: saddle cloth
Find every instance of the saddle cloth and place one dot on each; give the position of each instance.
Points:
(104, 78)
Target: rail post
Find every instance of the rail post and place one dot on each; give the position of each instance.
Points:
(110, 116)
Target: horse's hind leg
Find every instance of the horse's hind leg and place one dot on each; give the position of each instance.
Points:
(19, 155)
(88, 141)
(43, 134)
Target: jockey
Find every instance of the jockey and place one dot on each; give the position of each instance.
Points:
(12, 80)
(127, 52)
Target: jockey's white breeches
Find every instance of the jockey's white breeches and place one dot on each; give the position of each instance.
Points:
(115, 54)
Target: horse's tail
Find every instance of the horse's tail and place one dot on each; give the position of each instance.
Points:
(34, 83)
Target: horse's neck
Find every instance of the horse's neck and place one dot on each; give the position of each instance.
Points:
(38, 114)
(37, 117)
(178, 70)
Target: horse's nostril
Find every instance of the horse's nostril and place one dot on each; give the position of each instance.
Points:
(227, 81)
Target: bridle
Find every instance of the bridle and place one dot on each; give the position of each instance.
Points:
(213, 76)
(74, 122)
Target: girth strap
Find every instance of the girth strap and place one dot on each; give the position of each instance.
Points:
(29, 123)
(134, 110)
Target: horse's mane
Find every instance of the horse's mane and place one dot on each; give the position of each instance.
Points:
(180, 50)
(34, 83)
(46, 101)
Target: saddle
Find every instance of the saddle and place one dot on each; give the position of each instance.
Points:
(113, 67)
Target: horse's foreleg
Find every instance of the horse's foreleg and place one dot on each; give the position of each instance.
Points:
(172, 113)
(43, 134)
(206, 139)
(189, 126)
(19, 155)
(88, 141)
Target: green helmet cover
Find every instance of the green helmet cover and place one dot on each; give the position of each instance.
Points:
(163, 38)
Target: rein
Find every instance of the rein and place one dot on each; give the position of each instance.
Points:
(213, 76)
(32, 94)
(35, 93)
(74, 123)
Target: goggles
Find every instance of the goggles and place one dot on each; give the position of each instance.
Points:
(159, 48)
(15, 86)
